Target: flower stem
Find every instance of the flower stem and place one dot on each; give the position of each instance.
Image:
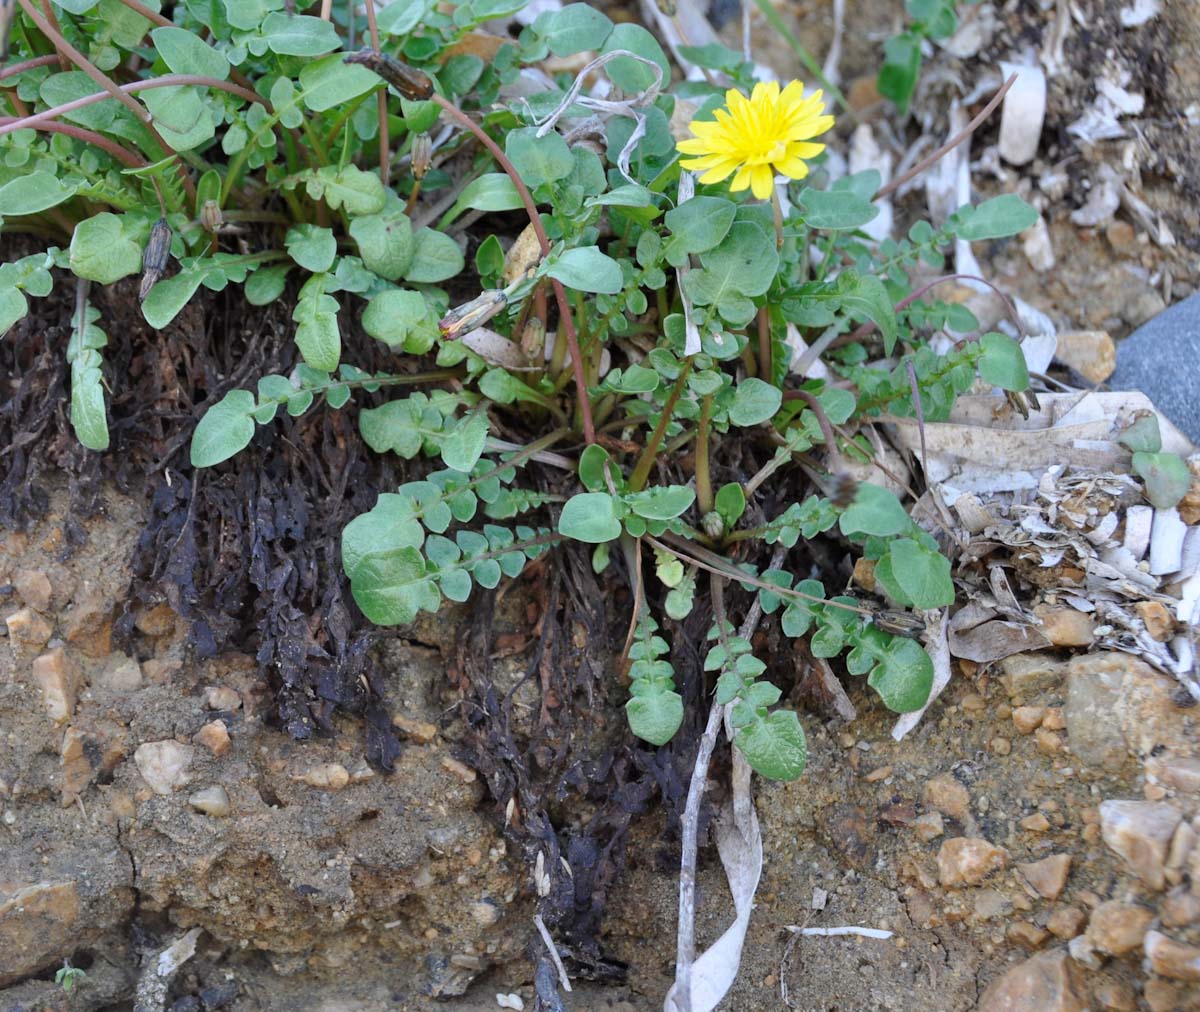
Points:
(704, 492)
(637, 480)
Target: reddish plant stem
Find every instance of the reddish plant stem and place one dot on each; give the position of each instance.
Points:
(123, 155)
(950, 145)
(24, 65)
(49, 12)
(560, 295)
(164, 22)
(104, 81)
(167, 80)
(385, 154)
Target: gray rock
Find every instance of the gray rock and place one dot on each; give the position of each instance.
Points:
(1162, 359)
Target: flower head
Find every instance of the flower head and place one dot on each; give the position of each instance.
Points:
(756, 137)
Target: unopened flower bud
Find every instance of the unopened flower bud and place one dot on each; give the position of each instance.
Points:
(712, 524)
(472, 314)
(533, 339)
(422, 155)
(211, 217)
(412, 84)
(155, 256)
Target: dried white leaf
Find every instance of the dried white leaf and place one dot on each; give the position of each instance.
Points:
(1138, 13)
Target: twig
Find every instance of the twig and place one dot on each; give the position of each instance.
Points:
(834, 932)
(950, 145)
(563, 979)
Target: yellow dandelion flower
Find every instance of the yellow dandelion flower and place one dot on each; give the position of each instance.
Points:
(754, 138)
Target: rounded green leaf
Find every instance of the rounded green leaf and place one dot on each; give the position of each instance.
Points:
(923, 574)
(385, 243)
(586, 269)
(904, 678)
(102, 251)
(226, 428)
(1003, 363)
(655, 718)
(754, 401)
(186, 53)
(436, 257)
(774, 745)
(29, 194)
(875, 510)
(631, 75)
(590, 517)
(1166, 476)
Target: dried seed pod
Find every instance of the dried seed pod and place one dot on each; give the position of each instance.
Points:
(422, 155)
(211, 217)
(155, 256)
(412, 84)
(472, 314)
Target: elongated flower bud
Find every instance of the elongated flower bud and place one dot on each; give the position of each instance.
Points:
(155, 256)
(472, 314)
(422, 155)
(211, 217)
(412, 84)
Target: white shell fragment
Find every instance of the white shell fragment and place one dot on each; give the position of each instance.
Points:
(1023, 113)
(1166, 542)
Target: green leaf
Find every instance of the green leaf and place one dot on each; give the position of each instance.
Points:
(875, 510)
(538, 160)
(385, 243)
(630, 75)
(1003, 363)
(30, 194)
(349, 187)
(586, 269)
(13, 307)
(401, 319)
(742, 265)
(181, 116)
(103, 251)
(436, 257)
(655, 718)
(186, 53)
(664, 502)
(904, 678)
(868, 297)
(835, 209)
(331, 82)
(572, 29)
(699, 224)
(87, 408)
(266, 284)
(312, 247)
(897, 78)
(390, 523)
(317, 334)
(226, 428)
(290, 34)
(774, 745)
(1143, 435)
(730, 504)
(1001, 216)
(594, 462)
(590, 517)
(1166, 476)
(493, 191)
(754, 401)
(464, 443)
(393, 586)
(402, 16)
(923, 574)
(167, 298)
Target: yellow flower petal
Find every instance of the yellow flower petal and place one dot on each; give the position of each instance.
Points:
(762, 181)
(757, 136)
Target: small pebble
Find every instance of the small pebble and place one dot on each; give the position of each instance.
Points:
(221, 697)
(1028, 718)
(211, 801)
(1001, 746)
(326, 776)
(1036, 823)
